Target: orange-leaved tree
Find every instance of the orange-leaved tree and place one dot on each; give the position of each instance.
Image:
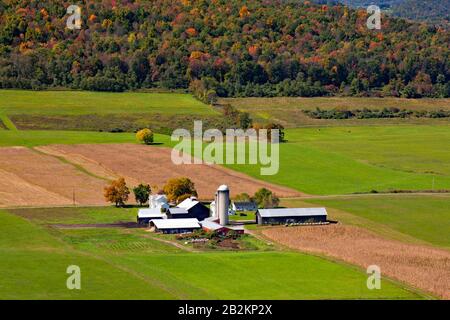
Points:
(178, 189)
(145, 136)
(117, 192)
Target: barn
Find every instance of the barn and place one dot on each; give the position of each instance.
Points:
(145, 215)
(291, 215)
(189, 208)
(172, 226)
(178, 213)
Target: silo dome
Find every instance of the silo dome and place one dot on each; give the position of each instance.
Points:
(223, 188)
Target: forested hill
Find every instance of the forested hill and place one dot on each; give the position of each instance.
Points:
(430, 11)
(220, 47)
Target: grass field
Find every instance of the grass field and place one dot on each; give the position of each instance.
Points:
(84, 102)
(423, 217)
(126, 263)
(288, 111)
(337, 160)
(100, 111)
(74, 215)
(31, 138)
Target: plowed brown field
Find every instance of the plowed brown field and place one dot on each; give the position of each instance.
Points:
(29, 178)
(153, 165)
(51, 175)
(421, 266)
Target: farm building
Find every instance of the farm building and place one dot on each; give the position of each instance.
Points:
(212, 207)
(178, 213)
(239, 206)
(172, 226)
(210, 225)
(158, 201)
(189, 208)
(145, 215)
(291, 215)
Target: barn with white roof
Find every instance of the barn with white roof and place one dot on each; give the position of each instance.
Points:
(145, 215)
(172, 226)
(189, 208)
(291, 215)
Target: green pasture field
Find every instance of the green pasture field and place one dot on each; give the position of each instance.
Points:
(85, 102)
(288, 110)
(130, 264)
(74, 215)
(338, 160)
(31, 138)
(101, 111)
(425, 217)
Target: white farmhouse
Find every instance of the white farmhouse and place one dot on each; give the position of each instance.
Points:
(158, 201)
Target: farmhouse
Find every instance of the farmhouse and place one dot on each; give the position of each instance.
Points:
(171, 226)
(291, 215)
(145, 215)
(158, 201)
(239, 206)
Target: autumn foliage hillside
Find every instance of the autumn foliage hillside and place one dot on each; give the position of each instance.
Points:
(220, 48)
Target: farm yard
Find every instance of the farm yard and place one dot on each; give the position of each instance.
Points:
(145, 268)
(360, 170)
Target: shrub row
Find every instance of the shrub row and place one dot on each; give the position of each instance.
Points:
(375, 114)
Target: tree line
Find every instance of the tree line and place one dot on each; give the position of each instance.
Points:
(375, 114)
(222, 48)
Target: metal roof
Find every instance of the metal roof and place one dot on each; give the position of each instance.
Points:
(236, 228)
(211, 225)
(188, 203)
(245, 203)
(176, 223)
(151, 213)
(292, 212)
(178, 211)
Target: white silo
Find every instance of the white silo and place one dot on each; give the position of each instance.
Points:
(222, 204)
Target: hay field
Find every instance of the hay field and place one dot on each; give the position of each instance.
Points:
(421, 266)
(153, 165)
(76, 174)
(288, 110)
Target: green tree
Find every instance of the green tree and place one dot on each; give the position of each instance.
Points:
(266, 199)
(245, 121)
(242, 197)
(142, 193)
